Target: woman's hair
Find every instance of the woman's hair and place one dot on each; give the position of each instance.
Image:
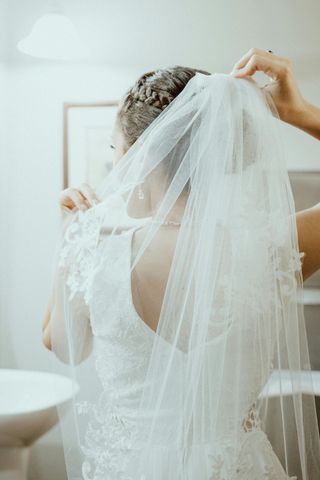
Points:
(151, 94)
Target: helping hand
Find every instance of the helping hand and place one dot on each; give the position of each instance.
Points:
(283, 89)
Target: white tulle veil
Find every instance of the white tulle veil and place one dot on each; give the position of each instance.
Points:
(229, 356)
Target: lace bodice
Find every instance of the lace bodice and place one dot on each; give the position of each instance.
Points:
(122, 347)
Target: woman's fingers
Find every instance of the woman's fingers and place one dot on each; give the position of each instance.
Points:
(243, 60)
(283, 88)
(70, 199)
(247, 56)
(79, 199)
(89, 195)
(258, 60)
(258, 63)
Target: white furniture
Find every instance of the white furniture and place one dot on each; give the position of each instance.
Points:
(28, 403)
(281, 382)
(311, 296)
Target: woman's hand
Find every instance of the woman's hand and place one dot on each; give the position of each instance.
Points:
(291, 105)
(283, 89)
(80, 198)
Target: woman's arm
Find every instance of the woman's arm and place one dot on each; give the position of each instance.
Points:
(46, 336)
(309, 120)
(67, 332)
(71, 200)
(290, 104)
(308, 225)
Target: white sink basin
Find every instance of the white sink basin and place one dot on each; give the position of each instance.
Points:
(24, 391)
(28, 403)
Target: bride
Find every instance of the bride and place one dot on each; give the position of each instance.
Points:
(176, 299)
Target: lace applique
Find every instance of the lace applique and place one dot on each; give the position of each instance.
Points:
(263, 255)
(255, 460)
(252, 421)
(108, 439)
(78, 251)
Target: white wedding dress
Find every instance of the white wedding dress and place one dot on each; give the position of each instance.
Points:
(122, 347)
(188, 401)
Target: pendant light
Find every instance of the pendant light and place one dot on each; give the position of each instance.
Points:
(54, 37)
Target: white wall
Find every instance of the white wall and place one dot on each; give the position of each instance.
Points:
(4, 218)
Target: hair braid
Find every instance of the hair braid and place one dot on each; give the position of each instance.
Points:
(149, 96)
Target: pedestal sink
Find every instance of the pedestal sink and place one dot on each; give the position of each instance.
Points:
(28, 402)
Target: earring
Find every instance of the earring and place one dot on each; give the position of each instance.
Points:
(140, 193)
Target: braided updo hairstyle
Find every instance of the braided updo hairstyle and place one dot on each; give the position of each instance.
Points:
(149, 96)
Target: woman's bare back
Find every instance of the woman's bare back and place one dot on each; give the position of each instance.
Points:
(150, 275)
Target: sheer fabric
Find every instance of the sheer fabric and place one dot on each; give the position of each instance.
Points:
(176, 331)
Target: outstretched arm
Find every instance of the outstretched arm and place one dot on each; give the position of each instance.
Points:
(308, 225)
(309, 120)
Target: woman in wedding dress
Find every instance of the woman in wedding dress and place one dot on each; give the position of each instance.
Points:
(175, 302)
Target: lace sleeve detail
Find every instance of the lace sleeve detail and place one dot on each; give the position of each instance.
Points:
(78, 252)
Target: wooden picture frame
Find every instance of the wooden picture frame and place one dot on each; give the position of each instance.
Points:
(91, 116)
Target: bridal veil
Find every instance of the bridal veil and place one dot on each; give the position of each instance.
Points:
(229, 354)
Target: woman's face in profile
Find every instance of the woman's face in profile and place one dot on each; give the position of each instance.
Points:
(118, 143)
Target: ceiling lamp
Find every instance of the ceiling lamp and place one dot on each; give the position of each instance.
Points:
(54, 37)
